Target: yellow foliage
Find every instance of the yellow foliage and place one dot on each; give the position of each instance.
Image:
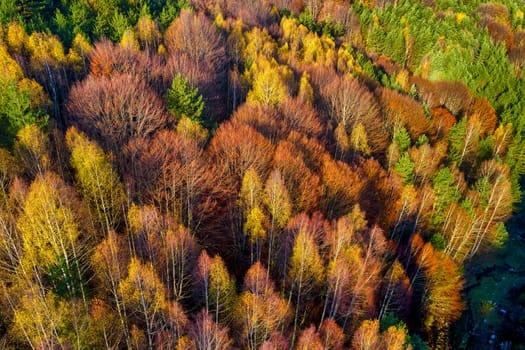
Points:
(81, 45)
(38, 97)
(9, 69)
(277, 199)
(460, 16)
(32, 149)
(162, 50)
(185, 343)
(46, 320)
(99, 182)
(305, 263)
(260, 315)
(236, 41)
(147, 31)
(402, 79)
(268, 88)
(346, 61)
(192, 130)
(129, 41)
(142, 291)
(306, 92)
(254, 225)
(359, 139)
(221, 23)
(77, 55)
(16, 36)
(319, 50)
(47, 225)
(251, 191)
(259, 43)
(45, 49)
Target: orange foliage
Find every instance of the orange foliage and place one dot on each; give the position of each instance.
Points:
(309, 340)
(442, 121)
(332, 335)
(238, 148)
(302, 183)
(343, 185)
(486, 114)
(401, 110)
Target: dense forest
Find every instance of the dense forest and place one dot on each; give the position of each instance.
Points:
(273, 174)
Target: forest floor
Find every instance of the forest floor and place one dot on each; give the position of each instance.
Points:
(495, 294)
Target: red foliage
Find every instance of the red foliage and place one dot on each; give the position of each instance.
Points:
(309, 339)
(194, 36)
(332, 335)
(349, 103)
(482, 110)
(108, 59)
(342, 185)
(235, 149)
(171, 171)
(402, 110)
(116, 109)
(300, 117)
(442, 121)
(303, 184)
(262, 119)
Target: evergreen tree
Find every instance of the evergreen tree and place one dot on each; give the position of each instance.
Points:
(405, 168)
(182, 99)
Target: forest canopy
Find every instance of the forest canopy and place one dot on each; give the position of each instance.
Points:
(273, 174)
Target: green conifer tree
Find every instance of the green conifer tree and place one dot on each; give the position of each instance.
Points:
(182, 99)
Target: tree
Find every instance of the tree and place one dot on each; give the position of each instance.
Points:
(367, 336)
(53, 229)
(306, 270)
(17, 110)
(277, 201)
(349, 104)
(143, 294)
(195, 36)
(403, 111)
(405, 168)
(455, 96)
(397, 292)
(301, 180)
(359, 139)
(183, 100)
(301, 117)
(116, 109)
(214, 287)
(40, 317)
(259, 311)
(332, 335)
(11, 71)
(32, 149)
(172, 171)
(110, 261)
(441, 297)
(309, 339)
(236, 149)
(268, 88)
(343, 185)
(208, 334)
(99, 182)
(148, 33)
